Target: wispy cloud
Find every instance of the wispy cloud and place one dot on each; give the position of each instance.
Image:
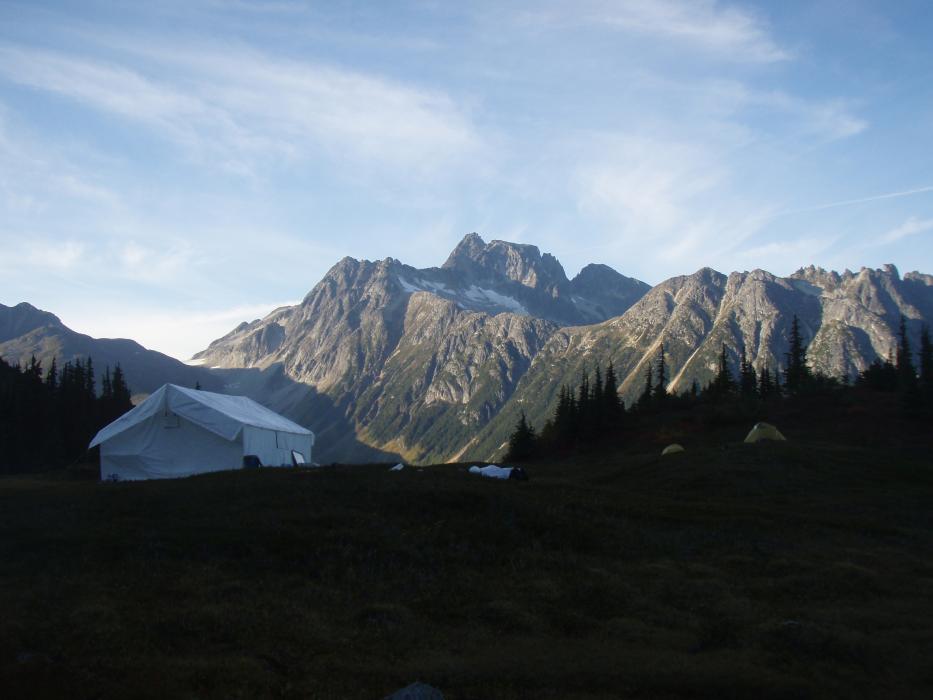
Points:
(40, 253)
(725, 30)
(705, 23)
(830, 119)
(34, 175)
(240, 108)
(784, 253)
(663, 204)
(645, 184)
(164, 264)
(261, 7)
(911, 227)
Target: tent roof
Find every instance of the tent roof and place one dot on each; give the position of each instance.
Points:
(221, 414)
(764, 431)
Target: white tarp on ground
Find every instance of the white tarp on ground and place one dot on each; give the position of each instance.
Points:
(179, 432)
(492, 471)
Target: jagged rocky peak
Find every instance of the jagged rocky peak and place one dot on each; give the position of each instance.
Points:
(344, 270)
(915, 276)
(876, 283)
(888, 271)
(704, 278)
(708, 274)
(819, 277)
(518, 262)
(469, 250)
(887, 276)
(348, 277)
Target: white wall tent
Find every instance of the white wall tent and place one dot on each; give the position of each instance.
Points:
(179, 432)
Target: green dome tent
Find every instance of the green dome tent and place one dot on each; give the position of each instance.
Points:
(764, 431)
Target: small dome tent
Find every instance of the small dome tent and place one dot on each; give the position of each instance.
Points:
(672, 449)
(179, 432)
(764, 431)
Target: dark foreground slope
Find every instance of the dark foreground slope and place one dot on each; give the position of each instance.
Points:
(778, 570)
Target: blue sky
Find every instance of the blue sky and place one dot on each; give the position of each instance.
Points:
(168, 171)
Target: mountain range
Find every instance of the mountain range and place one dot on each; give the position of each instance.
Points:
(384, 360)
(26, 331)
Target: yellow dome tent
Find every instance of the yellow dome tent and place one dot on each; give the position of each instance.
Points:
(764, 431)
(672, 449)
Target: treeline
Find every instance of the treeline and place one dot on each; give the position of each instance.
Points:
(48, 417)
(592, 413)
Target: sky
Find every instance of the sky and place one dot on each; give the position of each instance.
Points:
(170, 169)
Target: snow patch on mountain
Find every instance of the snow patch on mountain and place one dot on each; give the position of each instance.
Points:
(424, 286)
(488, 296)
(409, 287)
(472, 297)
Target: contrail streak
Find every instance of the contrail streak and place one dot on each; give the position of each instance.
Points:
(846, 202)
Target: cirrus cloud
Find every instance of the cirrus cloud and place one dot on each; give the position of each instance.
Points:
(239, 108)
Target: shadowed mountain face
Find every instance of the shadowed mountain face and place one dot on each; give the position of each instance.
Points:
(26, 331)
(383, 359)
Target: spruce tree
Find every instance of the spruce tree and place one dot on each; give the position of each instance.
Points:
(584, 413)
(78, 381)
(926, 364)
(34, 371)
(644, 401)
(797, 375)
(660, 388)
(907, 384)
(89, 382)
(613, 407)
(723, 385)
(880, 375)
(51, 377)
(106, 388)
(47, 422)
(563, 421)
(596, 396)
(748, 382)
(121, 391)
(906, 373)
(765, 386)
(522, 441)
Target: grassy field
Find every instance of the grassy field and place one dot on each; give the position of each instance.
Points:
(780, 570)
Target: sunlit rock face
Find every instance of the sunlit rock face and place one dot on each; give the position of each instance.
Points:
(418, 361)
(847, 319)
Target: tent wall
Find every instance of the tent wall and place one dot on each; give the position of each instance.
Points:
(161, 448)
(273, 448)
